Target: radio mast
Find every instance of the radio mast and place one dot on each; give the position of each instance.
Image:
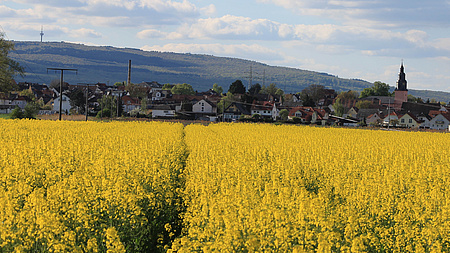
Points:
(42, 32)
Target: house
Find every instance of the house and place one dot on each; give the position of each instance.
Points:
(408, 120)
(374, 119)
(204, 110)
(352, 112)
(425, 119)
(340, 121)
(65, 104)
(163, 111)
(264, 109)
(204, 106)
(309, 115)
(363, 114)
(440, 122)
(234, 111)
(159, 94)
(391, 118)
(130, 103)
(20, 101)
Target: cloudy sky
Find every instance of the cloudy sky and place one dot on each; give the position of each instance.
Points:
(365, 39)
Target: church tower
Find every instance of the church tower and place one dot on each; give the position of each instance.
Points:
(401, 92)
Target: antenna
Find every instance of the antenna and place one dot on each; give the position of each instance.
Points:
(42, 32)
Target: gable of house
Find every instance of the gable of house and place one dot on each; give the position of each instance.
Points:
(440, 122)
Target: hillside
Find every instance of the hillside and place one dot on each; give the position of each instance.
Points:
(109, 65)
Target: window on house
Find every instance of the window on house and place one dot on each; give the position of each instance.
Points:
(410, 120)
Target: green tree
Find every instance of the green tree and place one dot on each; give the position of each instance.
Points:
(109, 105)
(28, 93)
(271, 89)
(78, 99)
(378, 89)
(144, 103)
(312, 93)
(225, 101)
(136, 90)
(184, 89)
(339, 108)
(120, 83)
(167, 86)
(237, 87)
(8, 68)
(31, 110)
(16, 113)
(347, 96)
(255, 89)
(217, 89)
(284, 113)
(363, 104)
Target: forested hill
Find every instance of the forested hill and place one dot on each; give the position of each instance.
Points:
(109, 65)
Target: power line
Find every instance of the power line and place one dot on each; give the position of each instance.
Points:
(60, 86)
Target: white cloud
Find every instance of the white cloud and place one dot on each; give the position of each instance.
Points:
(131, 13)
(385, 13)
(7, 12)
(329, 37)
(83, 33)
(151, 34)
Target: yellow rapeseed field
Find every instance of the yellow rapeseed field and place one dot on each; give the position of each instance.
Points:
(153, 186)
(87, 186)
(266, 188)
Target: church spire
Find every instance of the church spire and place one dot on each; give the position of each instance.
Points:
(402, 83)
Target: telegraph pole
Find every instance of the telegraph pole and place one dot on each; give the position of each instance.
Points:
(60, 86)
(129, 72)
(87, 101)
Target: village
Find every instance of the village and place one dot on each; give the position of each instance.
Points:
(314, 105)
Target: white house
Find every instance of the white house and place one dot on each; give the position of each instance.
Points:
(204, 106)
(19, 101)
(65, 104)
(265, 110)
(409, 121)
(130, 103)
(374, 119)
(391, 118)
(425, 120)
(440, 122)
(163, 111)
(275, 112)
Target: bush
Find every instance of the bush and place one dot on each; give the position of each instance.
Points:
(17, 113)
(106, 113)
(256, 117)
(297, 120)
(31, 110)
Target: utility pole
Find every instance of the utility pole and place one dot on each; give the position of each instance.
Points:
(87, 101)
(60, 85)
(129, 72)
(118, 98)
